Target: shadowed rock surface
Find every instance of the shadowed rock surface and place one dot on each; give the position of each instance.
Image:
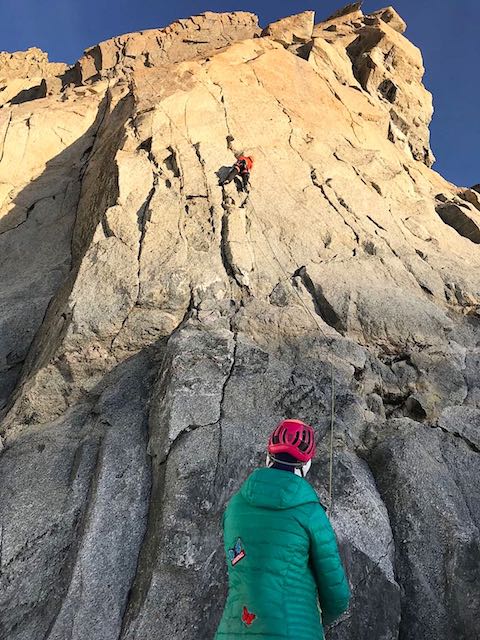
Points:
(154, 325)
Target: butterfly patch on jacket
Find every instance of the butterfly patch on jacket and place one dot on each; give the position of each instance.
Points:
(237, 553)
(247, 616)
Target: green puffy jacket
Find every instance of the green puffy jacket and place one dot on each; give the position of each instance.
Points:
(285, 573)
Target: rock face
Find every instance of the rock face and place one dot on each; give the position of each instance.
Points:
(297, 28)
(182, 40)
(391, 17)
(28, 75)
(155, 326)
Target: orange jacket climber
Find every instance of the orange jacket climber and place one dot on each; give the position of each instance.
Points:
(244, 163)
(241, 168)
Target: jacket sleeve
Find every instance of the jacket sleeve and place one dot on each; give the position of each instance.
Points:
(332, 583)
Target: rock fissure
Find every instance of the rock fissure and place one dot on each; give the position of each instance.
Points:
(239, 284)
(460, 436)
(201, 161)
(31, 208)
(222, 405)
(375, 567)
(103, 110)
(143, 222)
(225, 112)
(286, 114)
(335, 208)
(321, 305)
(10, 116)
(104, 107)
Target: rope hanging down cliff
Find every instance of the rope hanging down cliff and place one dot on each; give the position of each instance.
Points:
(287, 275)
(307, 309)
(332, 377)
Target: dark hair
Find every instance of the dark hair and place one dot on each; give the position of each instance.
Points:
(291, 462)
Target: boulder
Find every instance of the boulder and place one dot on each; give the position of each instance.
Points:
(392, 18)
(416, 471)
(293, 30)
(347, 10)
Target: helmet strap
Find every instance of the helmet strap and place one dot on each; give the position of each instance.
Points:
(305, 468)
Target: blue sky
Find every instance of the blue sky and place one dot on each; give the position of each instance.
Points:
(446, 31)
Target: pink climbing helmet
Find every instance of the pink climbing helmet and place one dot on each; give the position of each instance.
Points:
(293, 437)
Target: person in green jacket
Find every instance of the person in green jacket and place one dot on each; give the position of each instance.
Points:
(285, 575)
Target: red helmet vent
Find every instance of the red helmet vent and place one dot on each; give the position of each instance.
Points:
(293, 437)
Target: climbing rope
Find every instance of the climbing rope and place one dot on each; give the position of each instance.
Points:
(332, 377)
(331, 452)
(287, 275)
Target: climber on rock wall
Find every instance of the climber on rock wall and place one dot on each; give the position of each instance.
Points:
(286, 578)
(242, 168)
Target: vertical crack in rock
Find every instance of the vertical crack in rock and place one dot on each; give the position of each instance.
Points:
(10, 116)
(201, 162)
(224, 252)
(143, 219)
(81, 526)
(233, 272)
(285, 113)
(225, 113)
(320, 186)
(151, 545)
(321, 305)
(222, 407)
(85, 222)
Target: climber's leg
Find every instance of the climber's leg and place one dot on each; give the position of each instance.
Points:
(245, 180)
(230, 176)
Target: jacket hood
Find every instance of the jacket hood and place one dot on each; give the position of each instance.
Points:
(276, 489)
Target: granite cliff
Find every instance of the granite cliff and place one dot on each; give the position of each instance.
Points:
(152, 321)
